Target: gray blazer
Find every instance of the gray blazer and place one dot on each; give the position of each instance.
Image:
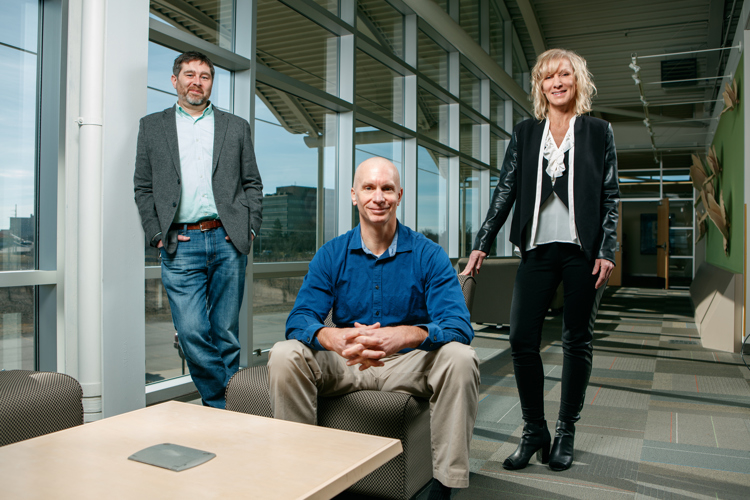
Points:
(237, 188)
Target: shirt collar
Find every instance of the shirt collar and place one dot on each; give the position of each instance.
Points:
(206, 112)
(401, 241)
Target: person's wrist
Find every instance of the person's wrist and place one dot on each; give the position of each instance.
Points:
(323, 336)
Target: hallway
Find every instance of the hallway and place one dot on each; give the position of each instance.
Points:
(663, 417)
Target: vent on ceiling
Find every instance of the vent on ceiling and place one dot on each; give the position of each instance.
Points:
(679, 69)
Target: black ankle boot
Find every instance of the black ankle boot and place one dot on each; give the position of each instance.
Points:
(535, 439)
(561, 456)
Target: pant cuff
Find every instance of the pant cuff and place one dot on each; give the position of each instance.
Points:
(451, 482)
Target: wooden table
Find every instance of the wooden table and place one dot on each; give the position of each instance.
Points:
(256, 457)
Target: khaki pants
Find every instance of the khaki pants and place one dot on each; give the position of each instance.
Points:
(449, 377)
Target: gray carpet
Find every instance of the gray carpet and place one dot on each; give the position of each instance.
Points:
(663, 418)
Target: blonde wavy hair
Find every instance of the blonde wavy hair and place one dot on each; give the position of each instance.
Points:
(547, 64)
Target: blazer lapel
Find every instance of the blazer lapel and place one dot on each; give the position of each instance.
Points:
(535, 142)
(220, 131)
(170, 131)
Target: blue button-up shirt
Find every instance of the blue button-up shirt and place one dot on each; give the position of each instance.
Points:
(196, 143)
(414, 285)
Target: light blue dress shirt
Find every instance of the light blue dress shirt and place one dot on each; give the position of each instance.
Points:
(196, 143)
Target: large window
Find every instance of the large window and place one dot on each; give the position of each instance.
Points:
(432, 59)
(469, 208)
(470, 91)
(383, 24)
(211, 21)
(295, 146)
(497, 34)
(432, 196)
(273, 299)
(432, 116)
(297, 47)
(470, 136)
(380, 90)
(19, 60)
(18, 132)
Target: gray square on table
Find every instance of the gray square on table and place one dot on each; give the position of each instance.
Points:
(172, 456)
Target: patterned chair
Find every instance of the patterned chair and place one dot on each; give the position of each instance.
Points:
(36, 403)
(388, 414)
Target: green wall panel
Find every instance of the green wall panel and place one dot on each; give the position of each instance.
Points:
(729, 142)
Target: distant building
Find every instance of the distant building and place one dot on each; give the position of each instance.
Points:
(294, 207)
(23, 228)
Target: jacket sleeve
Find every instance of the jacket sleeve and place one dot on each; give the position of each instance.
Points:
(144, 188)
(251, 182)
(502, 199)
(610, 199)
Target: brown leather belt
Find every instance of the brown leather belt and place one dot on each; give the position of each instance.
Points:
(205, 225)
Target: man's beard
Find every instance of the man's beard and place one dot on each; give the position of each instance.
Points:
(195, 101)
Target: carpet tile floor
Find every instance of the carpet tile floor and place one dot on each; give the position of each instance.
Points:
(663, 417)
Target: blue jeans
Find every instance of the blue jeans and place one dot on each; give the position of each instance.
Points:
(205, 280)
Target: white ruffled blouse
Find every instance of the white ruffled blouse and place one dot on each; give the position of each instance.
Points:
(554, 222)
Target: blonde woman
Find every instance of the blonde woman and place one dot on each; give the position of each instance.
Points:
(560, 170)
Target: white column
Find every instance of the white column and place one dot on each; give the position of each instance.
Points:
(410, 121)
(454, 165)
(122, 277)
(90, 208)
(244, 107)
(345, 162)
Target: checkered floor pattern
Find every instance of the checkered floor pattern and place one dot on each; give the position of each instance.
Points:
(663, 418)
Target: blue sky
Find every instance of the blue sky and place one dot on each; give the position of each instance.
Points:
(18, 61)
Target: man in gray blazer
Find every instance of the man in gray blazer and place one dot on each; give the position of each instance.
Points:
(199, 194)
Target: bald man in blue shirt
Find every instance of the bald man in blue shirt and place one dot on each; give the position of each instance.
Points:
(402, 326)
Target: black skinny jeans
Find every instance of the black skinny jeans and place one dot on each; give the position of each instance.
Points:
(538, 277)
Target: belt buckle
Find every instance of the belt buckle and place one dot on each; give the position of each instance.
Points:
(200, 226)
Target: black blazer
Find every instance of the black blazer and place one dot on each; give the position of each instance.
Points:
(596, 190)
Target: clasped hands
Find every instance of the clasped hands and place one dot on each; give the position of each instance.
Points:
(367, 345)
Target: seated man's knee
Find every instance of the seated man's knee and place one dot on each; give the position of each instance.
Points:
(284, 355)
(461, 357)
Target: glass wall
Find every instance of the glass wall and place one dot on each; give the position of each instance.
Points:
(384, 25)
(469, 216)
(19, 167)
(213, 23)
(470, 91)
(18, 133)
(379, 89)
(432, 116)
(295, 147)
(273, 299)
(470, 136)
(468, 18)
(432, 59)
(294, 45)
(432, 196)
(17, 313)
(497, 35)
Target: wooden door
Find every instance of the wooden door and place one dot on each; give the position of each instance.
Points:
(616, 278)
(662, 241)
